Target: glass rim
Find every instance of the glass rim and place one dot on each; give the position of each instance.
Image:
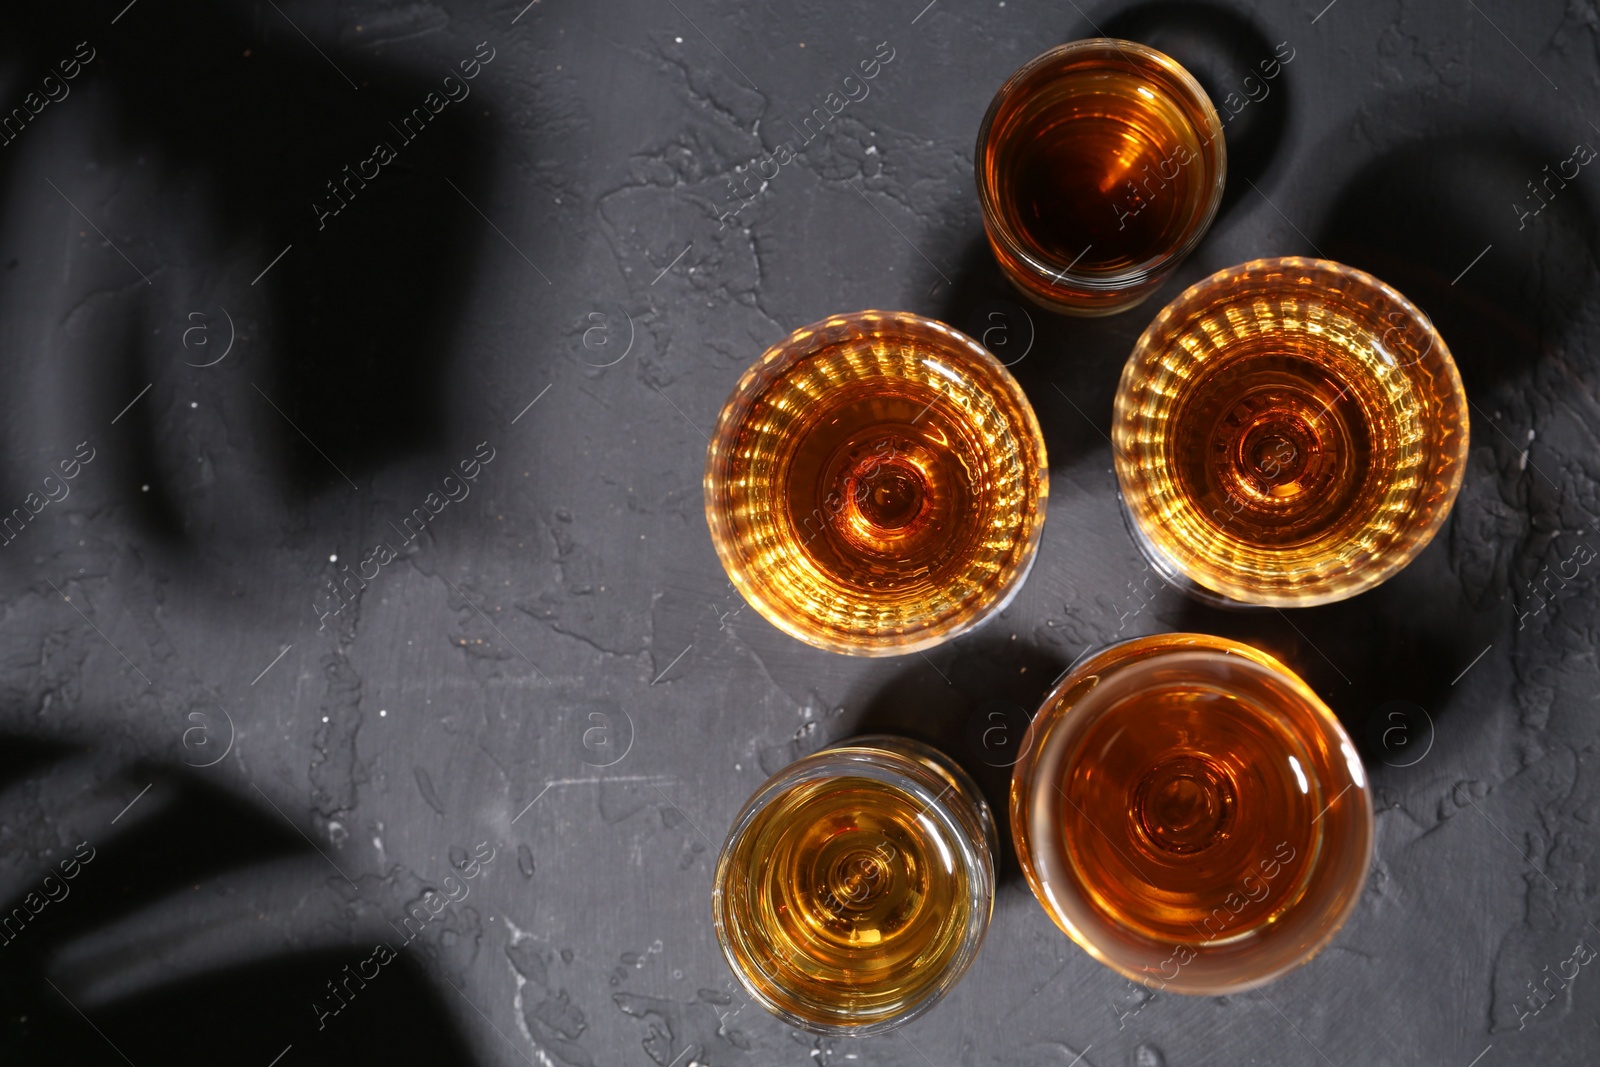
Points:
(1044, 732)
(995, 220)
(878, 757)
(1450, 467)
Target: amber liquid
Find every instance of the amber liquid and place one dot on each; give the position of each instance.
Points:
(1189, 812)
(882, 488)
(1279, 449)
(1289, 433)
(843, 903)
(877, 488)
(1192, 800)
(1104, 172)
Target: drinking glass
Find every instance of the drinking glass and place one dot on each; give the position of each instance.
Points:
(1191, 814)
(1288, 432)
(1100, 165)
(876, 484)
(856, 886)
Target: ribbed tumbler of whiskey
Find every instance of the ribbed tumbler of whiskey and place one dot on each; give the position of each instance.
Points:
(1288, 432)
(856, 886)
(876, 484)
(1100, 165)
(1191, 814)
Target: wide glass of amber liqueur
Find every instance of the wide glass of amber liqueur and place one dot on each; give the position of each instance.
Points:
(856, 886)
(876, 484)
(1288, 432)
(1100, 165)
(1191, 814)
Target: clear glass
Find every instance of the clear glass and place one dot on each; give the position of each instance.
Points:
(856, 886)
(876, 484)
(1191, 814)
(1288, 432)
(1100, 165)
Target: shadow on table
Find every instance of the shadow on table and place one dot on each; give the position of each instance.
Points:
(250, 142)
(68, 886)
(1068, 367)
(1476, 225)
(973, 701)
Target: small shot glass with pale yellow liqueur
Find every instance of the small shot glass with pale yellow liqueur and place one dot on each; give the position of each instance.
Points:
(856, 886)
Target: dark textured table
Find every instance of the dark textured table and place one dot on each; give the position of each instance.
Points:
(369, 683)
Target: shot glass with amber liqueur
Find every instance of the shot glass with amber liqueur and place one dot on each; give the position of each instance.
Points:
(1288, 432)
(1100, 165)
(1191, 814)
(876, 484)
(856, 886)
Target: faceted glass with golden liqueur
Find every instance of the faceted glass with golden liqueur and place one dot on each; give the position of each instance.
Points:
(856, 886)
(1288, 432)
(1100, 165)
(1191, 814)
(876, 484)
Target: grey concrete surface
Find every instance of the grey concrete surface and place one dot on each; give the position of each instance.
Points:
(549, 704)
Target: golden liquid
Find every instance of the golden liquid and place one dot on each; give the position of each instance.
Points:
(1193, 791)
(882, 487)
(1283, 451)
(843, 903)
(876, 484)
(1098, 162)
(1092, 174)
(1289, 432)
(1195, 796)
